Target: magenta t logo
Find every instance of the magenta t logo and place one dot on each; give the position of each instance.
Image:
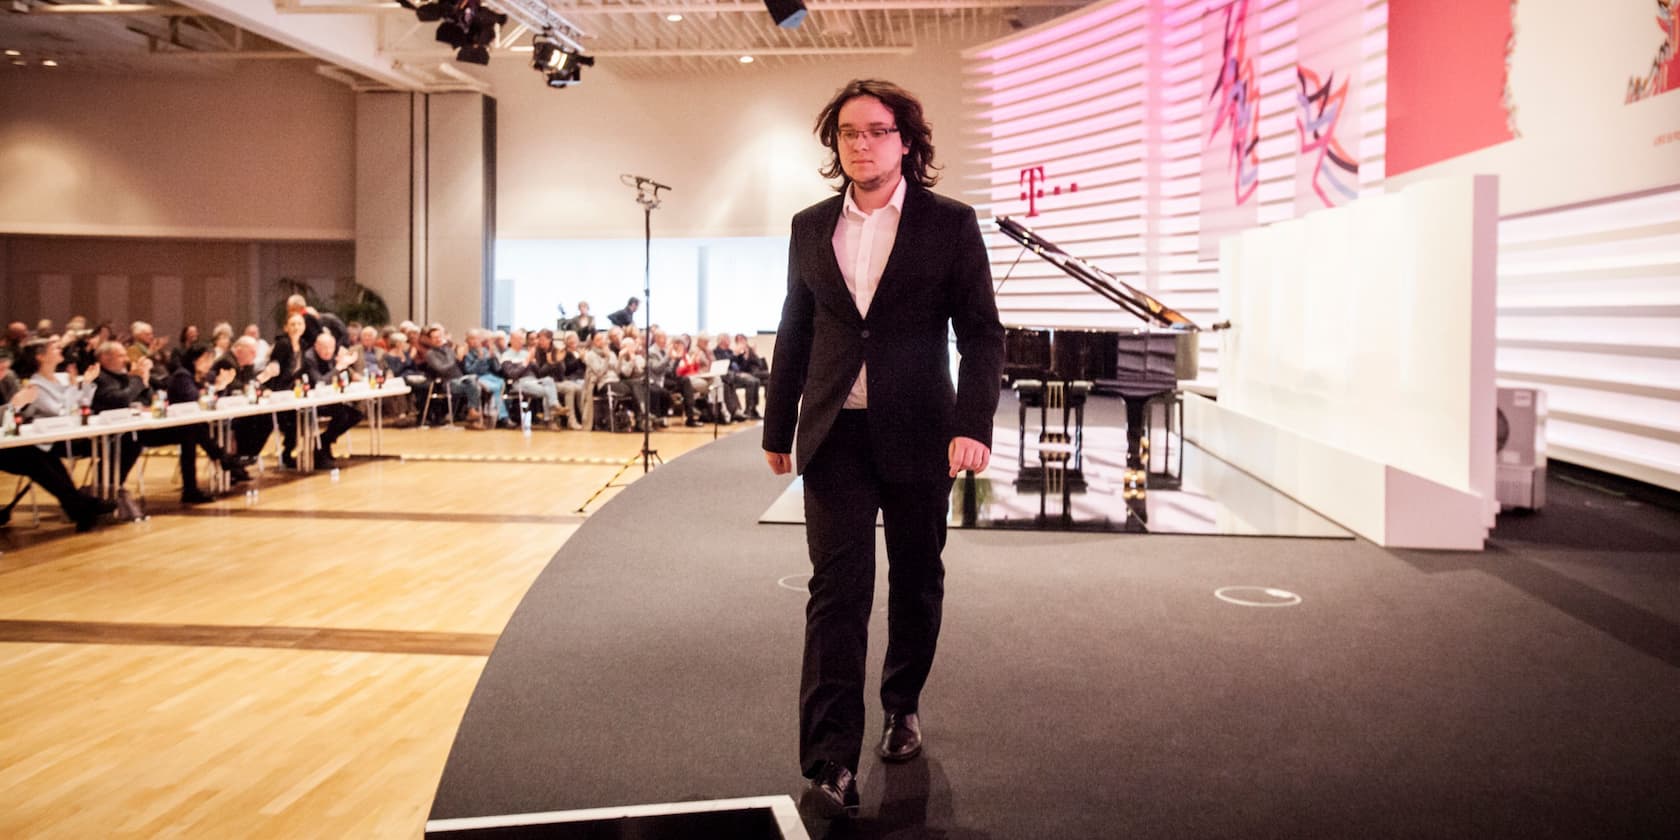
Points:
(1032, 178)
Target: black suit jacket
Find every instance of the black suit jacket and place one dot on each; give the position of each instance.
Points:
(118, 390)
(938, 274)
(182, 387)
(289, 362)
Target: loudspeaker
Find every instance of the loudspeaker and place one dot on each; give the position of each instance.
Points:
(788, 13)
(1521, 478)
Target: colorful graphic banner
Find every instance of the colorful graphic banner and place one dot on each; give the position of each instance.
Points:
(1230, 123)
(1328, 46)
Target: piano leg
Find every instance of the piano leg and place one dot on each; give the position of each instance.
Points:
(1021, 431)
(1137, 427)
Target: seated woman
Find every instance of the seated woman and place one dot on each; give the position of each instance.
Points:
(186, 384)
(48, 473)
(38, 363)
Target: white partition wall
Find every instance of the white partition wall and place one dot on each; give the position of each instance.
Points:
(1358, 370)
(425, 203)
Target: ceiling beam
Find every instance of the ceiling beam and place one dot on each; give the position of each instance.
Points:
(347, 42)
(119, 9)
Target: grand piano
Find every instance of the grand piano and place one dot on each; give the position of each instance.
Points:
(1057, 367)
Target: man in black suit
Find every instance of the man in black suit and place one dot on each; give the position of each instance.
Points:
(861, 370)
(626, 316)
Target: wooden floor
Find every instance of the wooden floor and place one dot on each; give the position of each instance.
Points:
(292, 663)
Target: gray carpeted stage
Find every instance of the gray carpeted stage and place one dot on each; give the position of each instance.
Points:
(1091, 685)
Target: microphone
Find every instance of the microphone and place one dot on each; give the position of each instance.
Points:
(638, 181)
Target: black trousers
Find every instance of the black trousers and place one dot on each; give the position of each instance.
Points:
(339, 419)
(251, 433)
(48, 473)
(186, 437)
(842, 493)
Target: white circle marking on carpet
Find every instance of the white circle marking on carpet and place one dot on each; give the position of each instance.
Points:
(1257, 596)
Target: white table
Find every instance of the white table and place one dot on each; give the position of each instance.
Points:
(105, 433)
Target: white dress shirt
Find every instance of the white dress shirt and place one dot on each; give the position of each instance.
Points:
(862, 243)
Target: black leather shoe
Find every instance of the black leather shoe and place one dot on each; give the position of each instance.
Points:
(324, 459)
(832, 793)
(901, 739)
(235, 470)
(196, 496)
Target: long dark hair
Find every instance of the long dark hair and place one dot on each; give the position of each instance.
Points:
(913, 130)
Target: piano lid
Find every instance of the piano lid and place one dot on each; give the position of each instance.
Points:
(1112, 288)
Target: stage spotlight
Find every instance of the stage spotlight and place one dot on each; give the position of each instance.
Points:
(428, 12)
(788, 13)
(481, 27)
(453, 34)
(545, 52)
(568, 70)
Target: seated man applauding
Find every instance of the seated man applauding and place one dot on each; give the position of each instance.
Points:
(115, 387)
(322, 365)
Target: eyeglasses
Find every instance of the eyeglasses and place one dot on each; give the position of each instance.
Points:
(874, 135)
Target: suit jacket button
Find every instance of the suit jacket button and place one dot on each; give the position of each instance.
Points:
(865, 333)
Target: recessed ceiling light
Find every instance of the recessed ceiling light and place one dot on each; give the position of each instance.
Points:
(13, 53)
(746, 59)
(674, 18)
(18, 62)
(49, 63)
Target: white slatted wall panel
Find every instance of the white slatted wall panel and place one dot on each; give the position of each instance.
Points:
(1589, 312)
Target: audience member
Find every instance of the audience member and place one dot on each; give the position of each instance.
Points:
(221, 339)
(116, 387)
(736, 378)
(186, 384)
(564, 365)
(250, 434)
(48, 472)
(582, 323)
(626, 316)
(442, 364)
(517, 367)
(325, 364)
(481, 363)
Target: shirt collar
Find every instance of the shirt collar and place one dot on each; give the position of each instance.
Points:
(896, 202)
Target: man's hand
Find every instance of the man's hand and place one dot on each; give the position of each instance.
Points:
(781, 463)
(143, 367)
(225, 377)
(90, 375)
(968, 454)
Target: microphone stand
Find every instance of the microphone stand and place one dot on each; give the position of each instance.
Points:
(647, 195)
